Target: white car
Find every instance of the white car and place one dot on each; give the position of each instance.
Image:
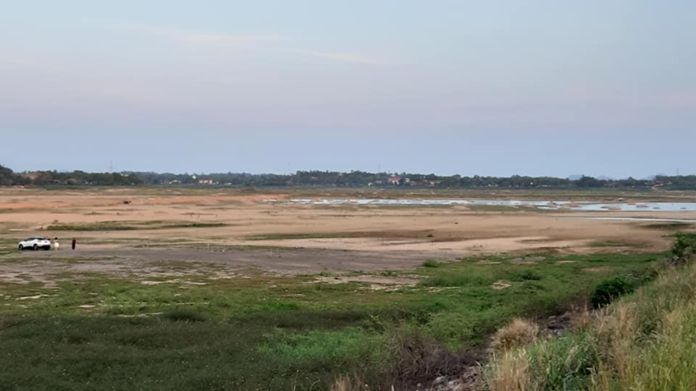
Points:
(36, 243)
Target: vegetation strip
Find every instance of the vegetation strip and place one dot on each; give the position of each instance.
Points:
(644, 341)
(266, 332)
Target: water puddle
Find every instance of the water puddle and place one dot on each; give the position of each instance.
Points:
(542, 205)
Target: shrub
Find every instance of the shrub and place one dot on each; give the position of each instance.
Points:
(431, 263)
(684, 244)
(609, 290)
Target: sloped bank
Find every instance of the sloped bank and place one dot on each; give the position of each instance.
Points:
(644, 341)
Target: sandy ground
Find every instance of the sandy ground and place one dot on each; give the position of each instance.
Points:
(252, 232)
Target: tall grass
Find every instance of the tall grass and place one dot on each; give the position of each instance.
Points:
(651, 340)
(646, 341)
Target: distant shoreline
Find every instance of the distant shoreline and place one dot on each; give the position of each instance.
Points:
(333, 179)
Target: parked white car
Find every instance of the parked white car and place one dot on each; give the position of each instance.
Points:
(36, 243)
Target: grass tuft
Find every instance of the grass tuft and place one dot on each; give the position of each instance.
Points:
(509, 372)
(516, 334)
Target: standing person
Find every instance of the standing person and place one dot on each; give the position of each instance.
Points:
(74, 243)
(56, 244)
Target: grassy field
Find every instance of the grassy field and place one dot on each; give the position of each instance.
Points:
(258, 331)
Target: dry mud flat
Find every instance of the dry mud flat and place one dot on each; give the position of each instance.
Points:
(126, 261)
(236, 230)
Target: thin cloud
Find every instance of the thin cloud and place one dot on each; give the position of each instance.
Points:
(193, 37)
(352, 58)
(225, 39)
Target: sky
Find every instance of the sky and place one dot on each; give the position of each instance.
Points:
(538, 87)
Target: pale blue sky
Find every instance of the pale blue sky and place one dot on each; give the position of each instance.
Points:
(599, 87)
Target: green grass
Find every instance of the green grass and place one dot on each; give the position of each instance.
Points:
(81, 353)
(267, 332)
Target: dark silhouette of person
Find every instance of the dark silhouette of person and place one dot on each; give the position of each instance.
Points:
(74, 243)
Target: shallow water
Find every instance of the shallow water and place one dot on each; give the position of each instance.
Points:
(542, 205)
(644, 219)
(640, 207)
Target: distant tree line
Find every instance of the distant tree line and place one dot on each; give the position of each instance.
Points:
(334, 179)
(74, 178)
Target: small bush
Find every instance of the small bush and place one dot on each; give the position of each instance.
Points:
(516, 334)
(431, 263)
(609, 290)
(526, 275)
(684, 245)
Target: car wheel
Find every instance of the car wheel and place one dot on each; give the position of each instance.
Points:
(36, 247)
(21, 248)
